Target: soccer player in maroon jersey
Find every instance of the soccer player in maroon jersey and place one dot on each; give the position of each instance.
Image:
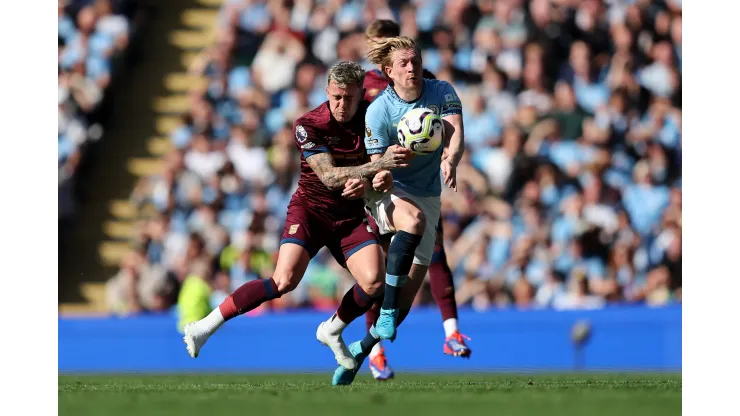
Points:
(327, 210)
(440, 275)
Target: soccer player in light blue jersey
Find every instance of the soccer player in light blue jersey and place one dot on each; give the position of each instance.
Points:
(407, 203)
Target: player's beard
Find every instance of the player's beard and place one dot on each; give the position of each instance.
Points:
(413, 82)
(412, 86)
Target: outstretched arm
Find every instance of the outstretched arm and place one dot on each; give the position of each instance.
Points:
(455, 132)
(451, 113)
(335, 177)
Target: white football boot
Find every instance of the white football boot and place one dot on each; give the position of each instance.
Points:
(195, 337)
(338, 347)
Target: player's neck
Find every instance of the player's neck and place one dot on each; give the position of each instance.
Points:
(408, 95)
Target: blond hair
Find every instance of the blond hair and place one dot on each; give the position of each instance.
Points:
(381, 51)
(346, 73)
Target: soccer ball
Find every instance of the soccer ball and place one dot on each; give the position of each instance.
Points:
(421, 130)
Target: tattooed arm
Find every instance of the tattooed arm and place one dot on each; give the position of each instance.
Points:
(335, 177)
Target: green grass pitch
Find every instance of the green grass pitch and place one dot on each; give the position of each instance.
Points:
(412, 395)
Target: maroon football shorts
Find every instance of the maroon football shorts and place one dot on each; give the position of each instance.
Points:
(312, 229)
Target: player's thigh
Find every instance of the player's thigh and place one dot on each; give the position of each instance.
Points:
(303, 236)
(404, 214)
(395, 211)
(367, 266)
(291, 265)
(362, 254)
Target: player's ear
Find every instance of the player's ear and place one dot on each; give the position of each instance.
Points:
(387, 70)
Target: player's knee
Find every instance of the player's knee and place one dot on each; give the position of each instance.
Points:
(373, 287)
(413, 221)
(286, 282)
(371, 280)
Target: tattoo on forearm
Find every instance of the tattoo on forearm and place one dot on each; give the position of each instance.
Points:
(335, 177)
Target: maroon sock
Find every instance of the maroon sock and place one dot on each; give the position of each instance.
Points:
(443, 288)
(373, 313)
(247, 297)
(354, 303)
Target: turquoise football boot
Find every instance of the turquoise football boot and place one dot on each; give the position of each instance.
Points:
(344, 377)
(386, 325)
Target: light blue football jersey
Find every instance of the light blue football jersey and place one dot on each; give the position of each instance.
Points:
(422, 177)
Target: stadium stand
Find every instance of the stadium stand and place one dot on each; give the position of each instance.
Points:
(94, 37)
(570, 190)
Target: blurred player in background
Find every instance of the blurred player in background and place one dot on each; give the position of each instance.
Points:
(327, 210)
(408, 203)
(440, 275)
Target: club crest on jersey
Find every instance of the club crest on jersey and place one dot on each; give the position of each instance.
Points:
(434, 108)
(293, 229)
(368, 132)
(300, 134)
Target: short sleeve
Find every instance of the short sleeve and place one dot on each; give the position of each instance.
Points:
(451, 104)
(308, 139)
(376, 135)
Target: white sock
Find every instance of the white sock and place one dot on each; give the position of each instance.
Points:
(450, 326)
(335, 325)
(376, 350)
(213, 321)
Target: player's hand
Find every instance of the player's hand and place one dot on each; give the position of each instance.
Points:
(354, 189)
(383, 181)
(449, 173)
(396, 157)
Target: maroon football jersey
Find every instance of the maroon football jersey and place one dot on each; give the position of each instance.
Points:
(376, 82)
(318, 132)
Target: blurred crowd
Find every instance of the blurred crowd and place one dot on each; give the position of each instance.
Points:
(569, 191)
(92, 34)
